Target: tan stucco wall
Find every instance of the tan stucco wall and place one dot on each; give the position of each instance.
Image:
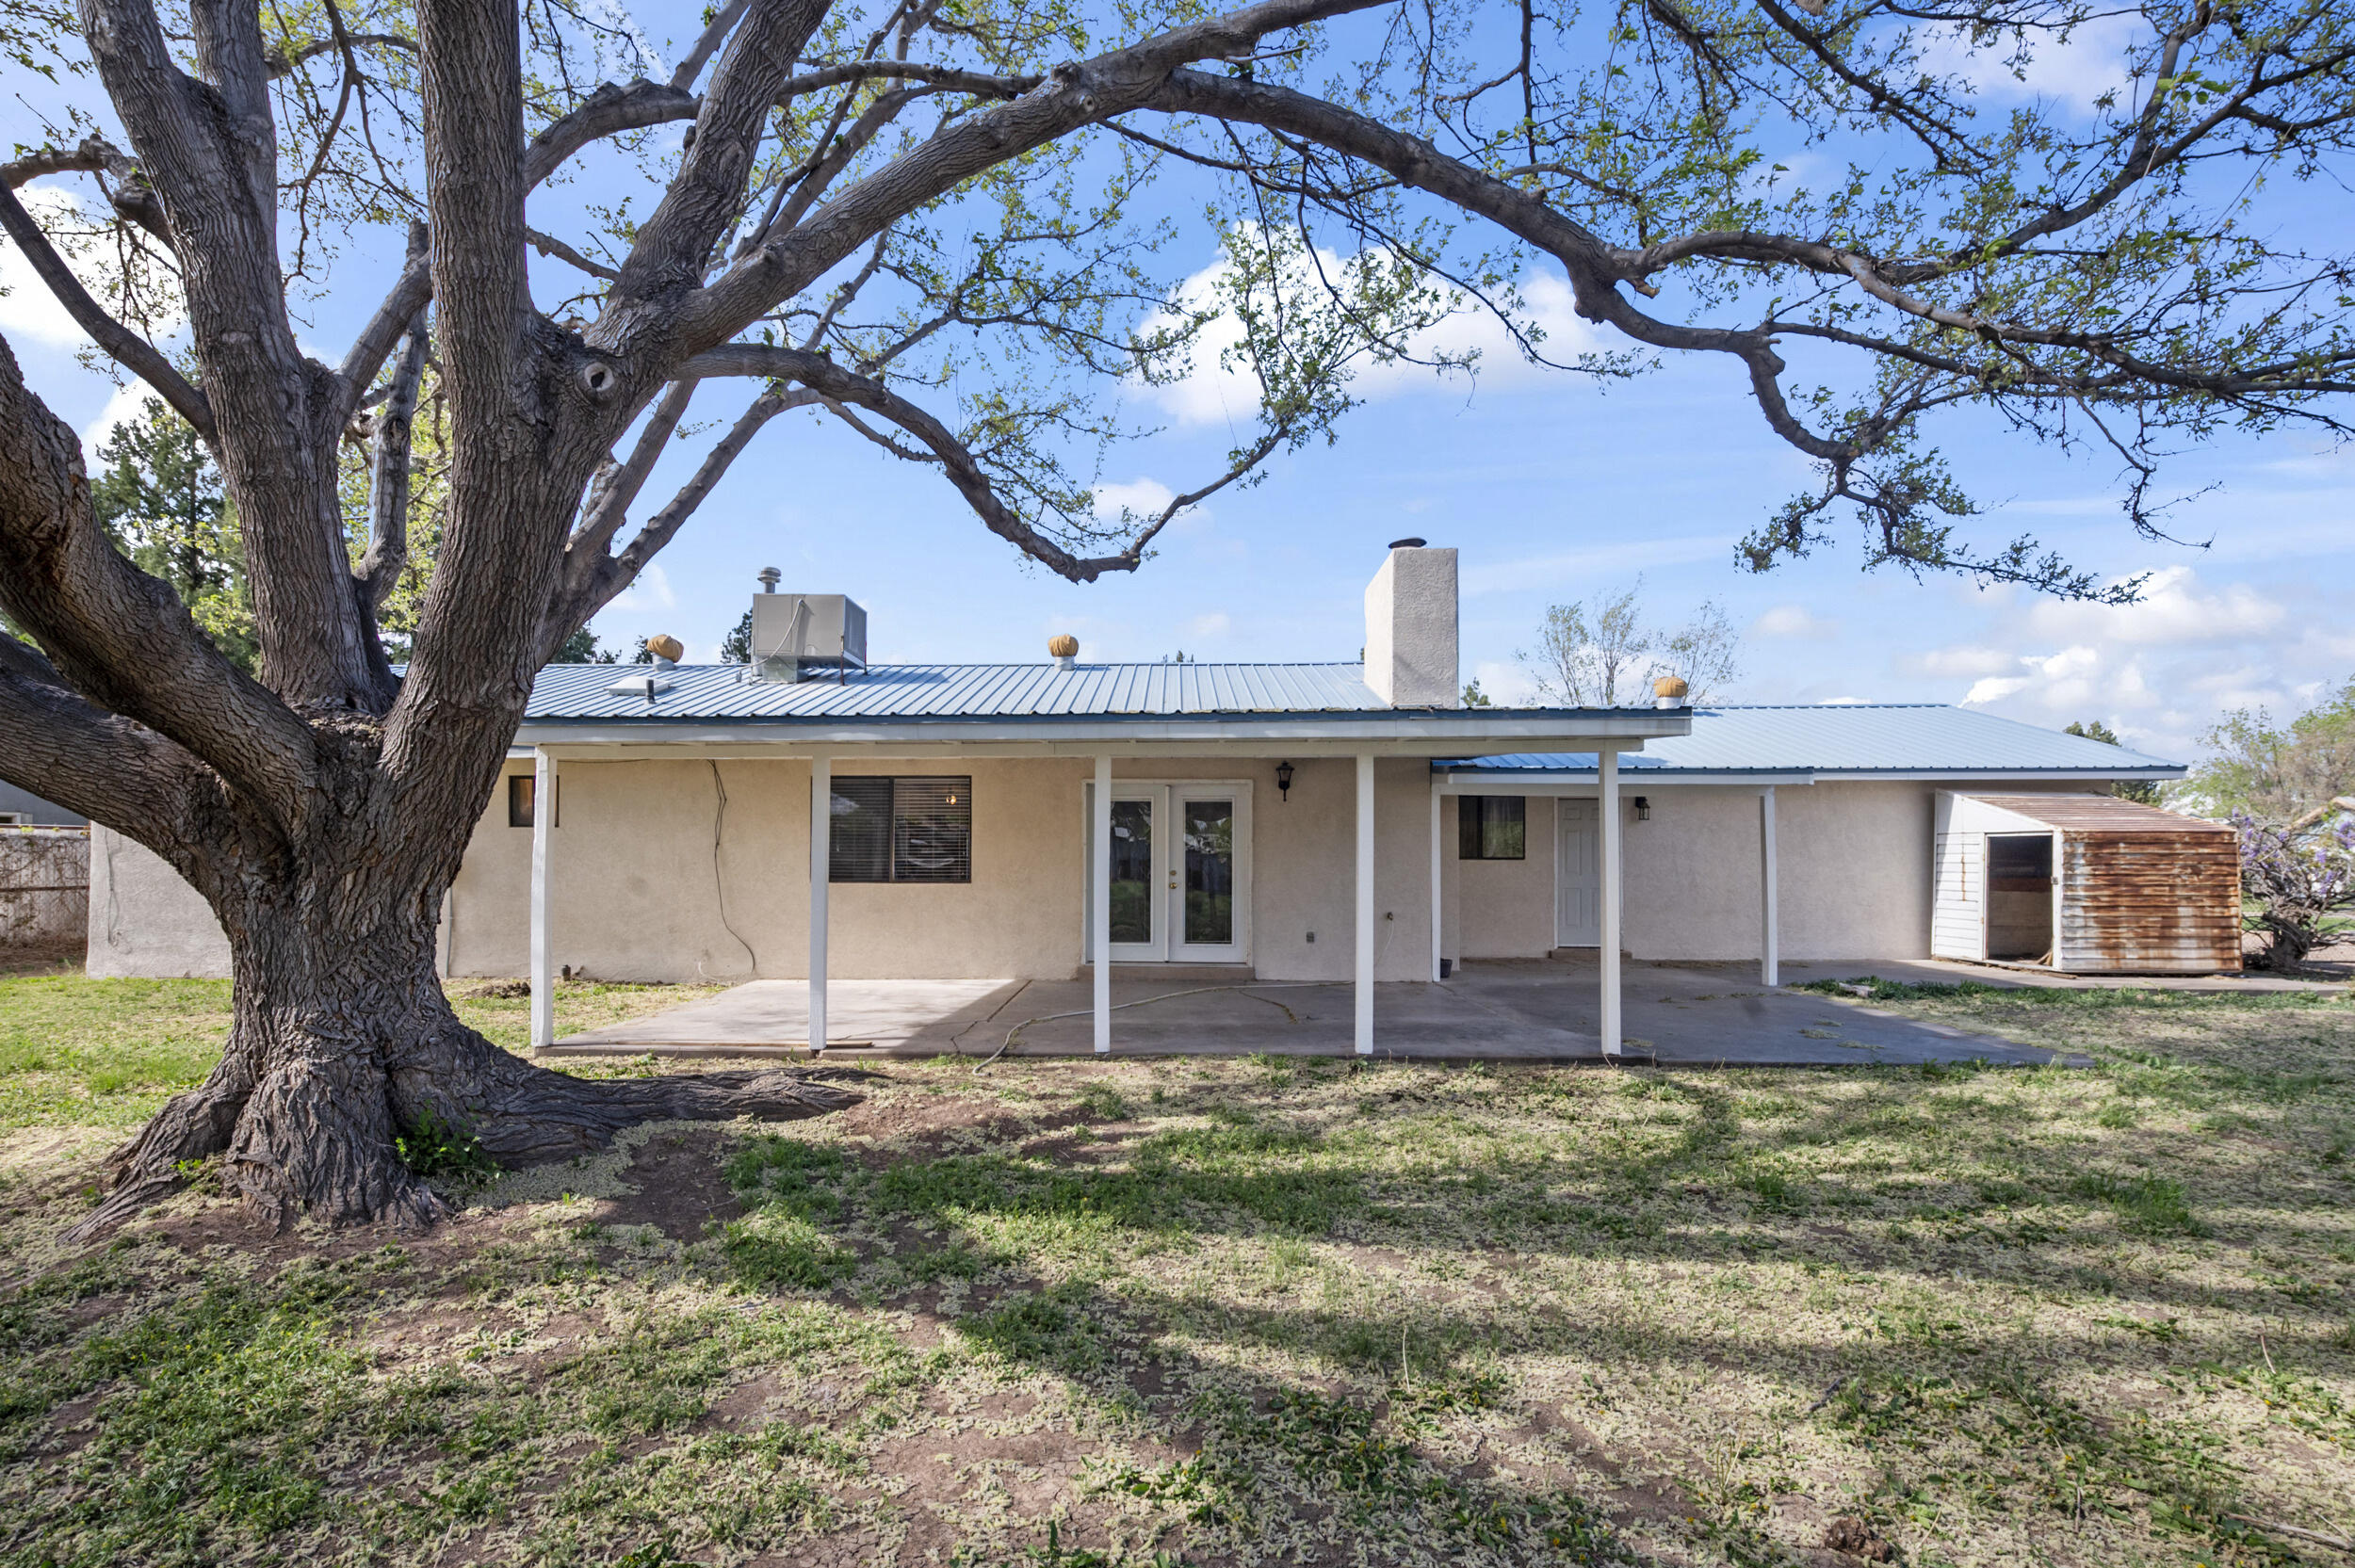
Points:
(1853, 883)
(1505, 906)
(144, 918)
(636, 894)
(633, 897)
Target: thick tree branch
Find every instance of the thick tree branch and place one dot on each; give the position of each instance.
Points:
(609, 111)
(120, 344)
(210, 148)
(410, 293)
(388, 492)
(1073, 95)
(672, 249)
(837, 384)
(119, 636)
(549, 245)
(617, 485)
(87, 760)
(130, 194)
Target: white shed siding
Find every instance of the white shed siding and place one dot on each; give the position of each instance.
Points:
(1957, 917)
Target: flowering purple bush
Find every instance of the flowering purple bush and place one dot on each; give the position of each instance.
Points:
(2299, 877)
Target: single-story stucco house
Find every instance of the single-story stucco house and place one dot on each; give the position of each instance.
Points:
(1347, 821)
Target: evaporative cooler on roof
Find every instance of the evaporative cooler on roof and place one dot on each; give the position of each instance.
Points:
(2088, 884)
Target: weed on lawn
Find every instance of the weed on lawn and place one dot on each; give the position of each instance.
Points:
(1275, 1311)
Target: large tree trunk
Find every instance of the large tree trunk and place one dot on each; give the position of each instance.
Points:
(339, 1044)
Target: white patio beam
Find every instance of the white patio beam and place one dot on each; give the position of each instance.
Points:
(1364, 955)
(820, 878)
(1100, 902)
(542, 940)
(1608, 785)
(1770, 936)
(1437, 871)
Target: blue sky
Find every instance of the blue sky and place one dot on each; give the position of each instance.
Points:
(1552, 488)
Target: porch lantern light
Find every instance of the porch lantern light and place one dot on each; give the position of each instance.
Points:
(1284, 780)
(1643, 808)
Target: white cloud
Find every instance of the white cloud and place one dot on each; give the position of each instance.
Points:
(122, 409)
(2160, 672)
(1506, 685)
(1140, 497)
(652, 591)
(1964, 659)
(2171, 611)
(31, 312)
(1209, 627)
(2092, 63)
(1792, 620)
(1591, 563)
(1214, 392)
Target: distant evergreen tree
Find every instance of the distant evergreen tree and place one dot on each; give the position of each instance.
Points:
(582, 648)
(1475, 697)
(736, 647)
(163, 503)
(2138, 789)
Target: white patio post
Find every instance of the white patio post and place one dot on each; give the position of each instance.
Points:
(1770, 942)
(543, 942)
(1438, 904)
(1607, 775)
(1101, 902)
(820, 877)
(1365, 904)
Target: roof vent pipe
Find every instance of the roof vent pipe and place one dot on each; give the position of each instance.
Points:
(1065, 648)
(1668, 693)
(770, 579)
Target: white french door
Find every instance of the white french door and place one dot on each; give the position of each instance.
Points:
(1180, 873)
(1578, 873)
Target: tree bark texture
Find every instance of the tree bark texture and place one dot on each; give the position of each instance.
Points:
(340, 1044)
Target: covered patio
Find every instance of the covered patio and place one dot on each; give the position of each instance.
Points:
(1688, 1015)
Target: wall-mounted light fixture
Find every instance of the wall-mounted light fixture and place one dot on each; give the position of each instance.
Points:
(1284, 780)
(1643, 808)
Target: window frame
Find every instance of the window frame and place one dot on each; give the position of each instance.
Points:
(521, 787)
(1473, 823)
(900, 818)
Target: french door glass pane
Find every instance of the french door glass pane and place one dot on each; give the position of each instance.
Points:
(1132, 871)
(1209, 872)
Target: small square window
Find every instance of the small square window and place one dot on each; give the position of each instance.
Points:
(522, 790)
(1491, 827)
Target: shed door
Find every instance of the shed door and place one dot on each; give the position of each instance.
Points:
(2020, 898)
(1578, 876)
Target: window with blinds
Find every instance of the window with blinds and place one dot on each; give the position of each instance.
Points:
(1491, 827)
(913, 830)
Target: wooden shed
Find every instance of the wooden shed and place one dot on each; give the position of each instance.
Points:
(2089, 885)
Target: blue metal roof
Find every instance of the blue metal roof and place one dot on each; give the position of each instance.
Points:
(706, 692)
(1847, 738)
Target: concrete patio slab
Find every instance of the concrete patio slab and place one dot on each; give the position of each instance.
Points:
(1538, 1010)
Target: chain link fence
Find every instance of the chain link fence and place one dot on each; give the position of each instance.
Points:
(44, 894)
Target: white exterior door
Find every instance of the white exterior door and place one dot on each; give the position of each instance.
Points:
(1578, 874)
(1180, 874)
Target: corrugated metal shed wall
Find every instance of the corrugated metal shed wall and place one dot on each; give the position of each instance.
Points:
(2145, 902)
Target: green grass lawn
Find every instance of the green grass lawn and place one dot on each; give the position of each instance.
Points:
(83, 1053)
(1275, 1311)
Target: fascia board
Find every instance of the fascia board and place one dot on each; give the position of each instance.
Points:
(1407, 736)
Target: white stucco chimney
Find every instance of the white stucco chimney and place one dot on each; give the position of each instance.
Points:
(1410, 628)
